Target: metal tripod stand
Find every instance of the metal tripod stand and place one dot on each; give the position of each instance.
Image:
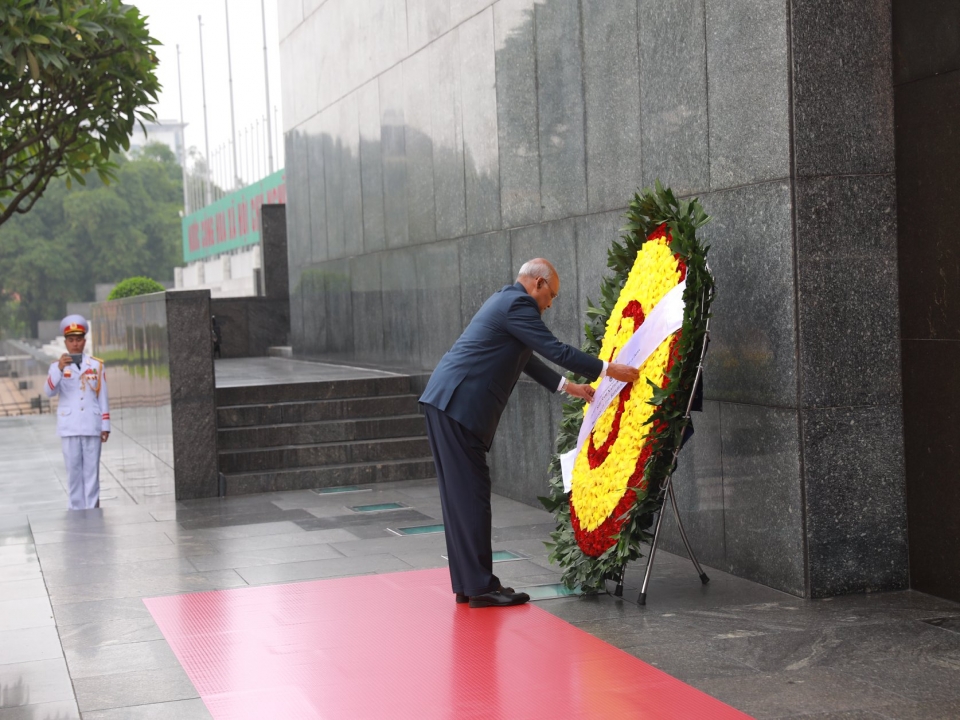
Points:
(666, 489)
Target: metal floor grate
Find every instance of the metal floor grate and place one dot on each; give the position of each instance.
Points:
(549, 592)
(340, 490)
(378, 507)
(417, 530)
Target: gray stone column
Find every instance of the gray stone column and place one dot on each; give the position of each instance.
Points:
(273, 251)
(192, 403)
(824, 424)
(849, 384)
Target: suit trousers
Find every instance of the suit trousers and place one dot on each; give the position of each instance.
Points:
(464, 479)
(81, 455)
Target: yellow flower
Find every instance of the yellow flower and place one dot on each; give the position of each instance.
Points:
(596, 492)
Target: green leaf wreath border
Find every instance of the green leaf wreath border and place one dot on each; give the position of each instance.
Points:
(648, 209)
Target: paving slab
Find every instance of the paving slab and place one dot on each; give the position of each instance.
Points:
(141, 687)
(193, 709)
(29, 644)
(93, 660)
(60, 710)
(35, 682)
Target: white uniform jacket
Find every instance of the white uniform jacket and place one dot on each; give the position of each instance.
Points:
(84, 406)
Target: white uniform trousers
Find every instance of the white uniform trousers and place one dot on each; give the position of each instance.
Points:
(81, 455)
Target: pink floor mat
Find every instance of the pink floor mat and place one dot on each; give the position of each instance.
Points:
(396, 646)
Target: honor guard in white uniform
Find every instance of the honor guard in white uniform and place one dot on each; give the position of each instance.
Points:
(83, 415)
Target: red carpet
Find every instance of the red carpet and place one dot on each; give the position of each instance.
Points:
(397, 646)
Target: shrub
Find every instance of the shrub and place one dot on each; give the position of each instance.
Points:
(134, 286)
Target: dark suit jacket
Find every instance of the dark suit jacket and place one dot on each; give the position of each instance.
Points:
(474, 379)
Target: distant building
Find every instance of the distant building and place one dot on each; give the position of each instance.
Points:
(221, 242)
(234, 273)
(168, 132)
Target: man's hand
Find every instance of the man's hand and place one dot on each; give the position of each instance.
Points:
(584, 392)
(104, 436)
(65, 360)
(623, 373)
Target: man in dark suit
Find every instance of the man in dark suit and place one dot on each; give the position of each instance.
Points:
(463, 402)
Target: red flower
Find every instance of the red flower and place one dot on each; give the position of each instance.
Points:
(660, 231)
(597, 541)
(596, 455)
(634, 310)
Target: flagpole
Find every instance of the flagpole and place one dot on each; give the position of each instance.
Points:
(266, 83)
(233, 127)
(206, 135)
(183, 141)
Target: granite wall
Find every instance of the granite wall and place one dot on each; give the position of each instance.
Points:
(27, 366)
(252, 325)
(158, 356)
(435, 145)
(249, 326)
(927, 101)
(130, 336)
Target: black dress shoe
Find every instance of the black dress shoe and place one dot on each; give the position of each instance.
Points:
(498, 598)
(461, 598)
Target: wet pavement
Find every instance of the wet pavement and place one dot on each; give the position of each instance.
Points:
(77, 641)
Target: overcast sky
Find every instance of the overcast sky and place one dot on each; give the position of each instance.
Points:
(174, 22)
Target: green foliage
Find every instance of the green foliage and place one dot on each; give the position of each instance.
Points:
(75, 78)
(11, 325)
(134, 286)
(95, 233)
(648, 210)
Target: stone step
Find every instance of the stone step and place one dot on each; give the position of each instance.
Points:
(305, 411)
(421, 468)
(322, 390)
(334, 453)
(328, 431)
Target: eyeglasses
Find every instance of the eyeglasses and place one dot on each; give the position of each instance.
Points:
(553, 295)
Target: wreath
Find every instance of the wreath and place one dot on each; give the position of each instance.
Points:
(619, 471)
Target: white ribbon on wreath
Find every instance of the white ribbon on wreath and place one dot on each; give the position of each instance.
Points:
(664, 320)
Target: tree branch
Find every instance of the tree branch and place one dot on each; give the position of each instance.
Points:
(57, 124)
(41, 179)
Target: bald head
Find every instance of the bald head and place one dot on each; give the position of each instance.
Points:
(539, 278)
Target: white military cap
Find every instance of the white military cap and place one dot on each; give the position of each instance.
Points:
(74, 325)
